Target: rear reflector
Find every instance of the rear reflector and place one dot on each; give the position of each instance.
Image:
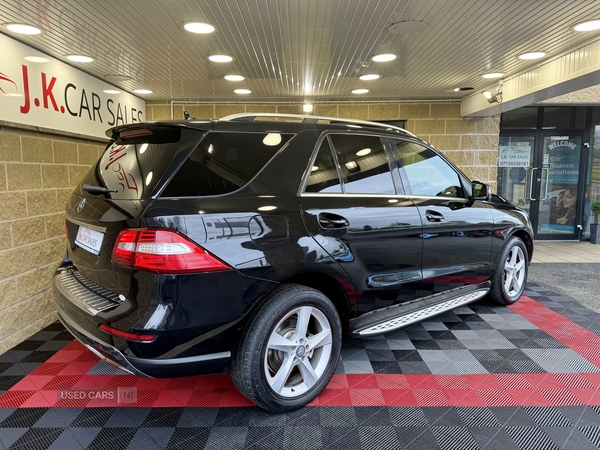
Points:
(163, 251)
(126, 335)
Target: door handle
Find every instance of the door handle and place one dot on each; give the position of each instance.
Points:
(434, 216)
(328, 221)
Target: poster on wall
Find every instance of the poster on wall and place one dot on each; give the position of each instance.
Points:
(514, 156)
(56, 96)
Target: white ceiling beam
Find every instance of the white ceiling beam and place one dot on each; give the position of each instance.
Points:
(573, 71)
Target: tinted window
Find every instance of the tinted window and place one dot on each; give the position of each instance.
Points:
(324, 176)
(363, 164)
(224, 162)
(424, 172)
(132, 167)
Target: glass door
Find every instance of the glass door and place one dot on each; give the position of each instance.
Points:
(540, 171)
(557, 172)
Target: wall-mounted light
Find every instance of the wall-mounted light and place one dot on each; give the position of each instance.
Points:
(307, 108)
(494, 98)
(352, 166)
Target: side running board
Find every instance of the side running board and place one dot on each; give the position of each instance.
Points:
(399, 316)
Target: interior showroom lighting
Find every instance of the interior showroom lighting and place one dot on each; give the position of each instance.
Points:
(242, 91)
(198, 27)
(220, 58)
(234, 77)
(307, 108)
(111, 91)
(22, 28)
(493, 75)
(592, 25)
(142, 91)
(360, 91)
(384, 57)
(36, 59)
(369, 77)
(80, 58)
(492, 98)
(532, 55)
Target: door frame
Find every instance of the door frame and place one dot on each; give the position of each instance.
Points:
(537, 158)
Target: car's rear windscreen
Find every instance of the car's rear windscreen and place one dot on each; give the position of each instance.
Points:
(224, 162)
(132, 165)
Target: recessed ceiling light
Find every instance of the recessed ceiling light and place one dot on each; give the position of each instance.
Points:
(371, 76)
(80, 58)
(493, 75)
(587, 26)
(36, 59)
(234, 77)
(532, 55)
(220, 58)
(410, 26)
(267, 208)
(198, 27)
(456, 89)
(363, 152)
(242, 91)
(142, 91)
(117, 77)
(22, 28)
(360, 91)
(384, 57)
(111, 91)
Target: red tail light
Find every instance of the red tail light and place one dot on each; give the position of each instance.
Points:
(162, 251)
(126, 335)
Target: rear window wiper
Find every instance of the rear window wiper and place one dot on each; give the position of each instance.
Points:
(97, 189)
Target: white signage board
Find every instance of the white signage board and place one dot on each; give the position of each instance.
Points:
(57, 96)
(514, 156)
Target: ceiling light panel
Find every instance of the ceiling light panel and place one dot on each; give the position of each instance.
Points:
(281, 49)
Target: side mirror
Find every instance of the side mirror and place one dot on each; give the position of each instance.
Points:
(480, 191)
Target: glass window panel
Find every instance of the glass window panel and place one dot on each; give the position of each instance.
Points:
(324, 175)
(520, 118)
(557, 117)
(363, 164)
(424, 172)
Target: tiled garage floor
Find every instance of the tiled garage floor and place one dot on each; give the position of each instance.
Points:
(480, 376)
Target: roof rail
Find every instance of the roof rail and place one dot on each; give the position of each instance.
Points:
(249, 117)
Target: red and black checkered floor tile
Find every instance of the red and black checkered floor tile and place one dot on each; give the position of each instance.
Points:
(481, 376)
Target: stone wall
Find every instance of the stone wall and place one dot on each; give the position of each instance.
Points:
(37, 174)
(471, 144)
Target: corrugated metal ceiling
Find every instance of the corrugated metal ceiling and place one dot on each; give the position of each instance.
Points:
(283, 46)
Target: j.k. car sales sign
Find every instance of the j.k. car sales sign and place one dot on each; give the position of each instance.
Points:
(55, 95)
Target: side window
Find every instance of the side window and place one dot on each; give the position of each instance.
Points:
(324, 176)
(363, 163)
(224, 162)
(424, 172)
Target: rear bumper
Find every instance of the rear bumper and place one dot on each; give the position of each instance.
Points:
(154, 368)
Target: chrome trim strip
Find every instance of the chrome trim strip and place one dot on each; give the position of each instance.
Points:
(394, 196)
(81, 295)
(87, 225)
(417, 316)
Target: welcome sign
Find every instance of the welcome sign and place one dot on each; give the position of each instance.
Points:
(57, 96)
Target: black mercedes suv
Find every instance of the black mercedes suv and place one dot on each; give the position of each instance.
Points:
(261, 241)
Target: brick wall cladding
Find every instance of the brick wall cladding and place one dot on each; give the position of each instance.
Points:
(471, 144)
(37, 174)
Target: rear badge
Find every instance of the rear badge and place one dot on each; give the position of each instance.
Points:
(80, 205)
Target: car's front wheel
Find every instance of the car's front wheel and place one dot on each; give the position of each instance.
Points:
(508, 282)
(289, 349)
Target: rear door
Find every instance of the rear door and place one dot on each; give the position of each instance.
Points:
(352, 209)
(130, 171)
(457, 233)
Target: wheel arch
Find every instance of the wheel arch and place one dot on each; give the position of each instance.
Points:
(527, 240)
(334, 289)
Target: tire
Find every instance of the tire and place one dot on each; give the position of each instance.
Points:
(508, 282)
(279, 365)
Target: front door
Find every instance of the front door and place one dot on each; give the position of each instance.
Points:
(541, 171)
